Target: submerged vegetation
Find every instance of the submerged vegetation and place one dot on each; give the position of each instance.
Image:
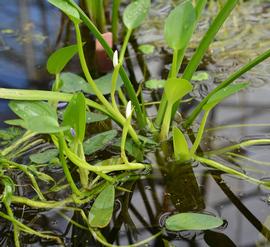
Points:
(90, 187)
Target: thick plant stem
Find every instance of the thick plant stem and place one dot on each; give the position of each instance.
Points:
(130, 90)
(225, 83)
(115, 8)
(200, 133)
(119, 118)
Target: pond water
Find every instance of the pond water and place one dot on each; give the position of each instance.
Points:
(31, 30)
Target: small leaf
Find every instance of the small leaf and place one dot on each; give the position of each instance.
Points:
(44, 157)
(73, 83)
(69, 10)
(200, 76)
(222, 94)
(92, 117)
(16, 122)
(135, 13)
(180, 146)
(179, 25)
(99, 141)
(9, 189)
(29, 109)
(192, 221)
(147, 49)
(176, 89)
(101, 211)
(155, 84)
(58, 60)
(75, 115)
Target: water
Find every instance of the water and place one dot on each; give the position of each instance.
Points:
(24, 47)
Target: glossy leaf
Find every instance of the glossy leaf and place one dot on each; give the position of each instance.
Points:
(99, 141)
(179, 25)
(222, 94)
(69, 10)
(75, 115)
(147, 49)
(155, 84)
(73, 83)
(192, 221)
(180, 145)
(135, 13)
(176, 89)
(101, 211)
(29, 109)
(92, 117)
(44, 157)
(58, 60)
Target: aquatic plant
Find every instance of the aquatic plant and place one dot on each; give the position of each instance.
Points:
(39, 114)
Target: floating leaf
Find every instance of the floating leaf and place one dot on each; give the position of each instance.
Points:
(135, 13)
(200, 76)
(147, 49)
(58, 60)
(192, 221)
(99, 141)
(73, 83)
(155, 84)
(69, 10)
(180, 146)
(44, 157)
(29, 109)
(176, 89)
(75, 115)
(92, 117)
(222, 94)
(101, 211)
(179, 25)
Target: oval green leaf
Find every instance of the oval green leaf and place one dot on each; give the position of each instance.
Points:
(146, 49)
(58, 60)
(192, 221)
(44, 157)
(101, 211)
(98, 142)
(176, 88)
(75, 116)
(135, 13)
(180, 145)
(92, 117)
(179, 25)
(73, 83)
(155, 84)
(222, 94)
(69, 10)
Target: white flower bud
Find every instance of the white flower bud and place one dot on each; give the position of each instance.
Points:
(115, 58)
(128, 109)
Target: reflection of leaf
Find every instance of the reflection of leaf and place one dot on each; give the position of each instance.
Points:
(99, 141)
(44, 157)
(101, 211)
(192, 221)
(135, 13)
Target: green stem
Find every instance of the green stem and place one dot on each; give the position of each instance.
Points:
(166, 123)
(114, 83)
(115, 7)
(199, 134)
(130, 90)
(123, 141)
(83, 172)
(124, 46)
(122, 97)
(225, 83)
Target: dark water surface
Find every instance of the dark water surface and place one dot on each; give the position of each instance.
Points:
(31, 30)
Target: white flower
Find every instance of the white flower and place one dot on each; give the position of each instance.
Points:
(115, 58)
(128, 109)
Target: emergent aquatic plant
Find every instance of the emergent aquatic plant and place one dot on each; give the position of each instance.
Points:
(39, 114)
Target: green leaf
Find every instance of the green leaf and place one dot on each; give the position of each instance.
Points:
(222, 94)
(147, 49)
(192, 221)
(92, 117)
(73, 83)
(9, 189)
(180, 146)
(29, 109)
(155, 84)
(58, 60)
(75, 115)
(135, 13)
(44, 157)
(69, 10)
(98, 142)
(179, 25)
(176, 88)
(200, 76)
(40, 175)
(16, 122)
(101, 211)
(44, 125)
